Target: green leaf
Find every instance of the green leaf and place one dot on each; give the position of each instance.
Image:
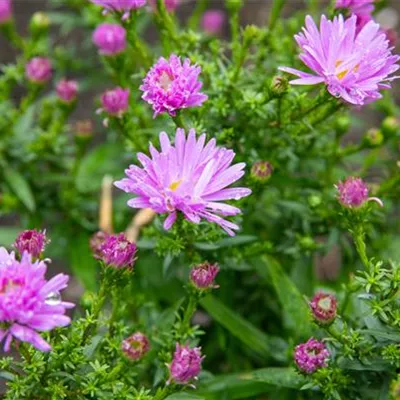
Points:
(184, 396)
(295, 309)
(375, 364)
(256, 340)
(227, 242)
(282, 377)
(103, 160)
(8, 234)
(20, 187)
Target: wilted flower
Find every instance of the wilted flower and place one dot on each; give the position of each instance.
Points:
(170, 5)
(96, 242)
(110, 39)
(115, 102)
(186, 364)
(5, 11)
(203, 275)
(213, 21)
(262, 170)
(188, 177)
(324, 307)
(135, 346)
(122, 6)
(32, 242)
(29, 303)
(117, 251)
(311, 356)
(353, 193)
(355, 67)
(67, 90)
(170, 86)
(38, 70)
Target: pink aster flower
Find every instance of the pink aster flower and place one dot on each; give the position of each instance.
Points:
(38, 70)
(356, 6)
(67, 90)
(5, 11)
(117, 251)
(203, 275)
(122, 6)
(110, 39)
(354, 67)
(311, 356)
(324, 307)
(135, 346)
(32, 242)
(353, 193)
(116, 101)
(170, 86)
(29, 303)
(170, 5)
(186, 364)
(189, 177)
(213, 21)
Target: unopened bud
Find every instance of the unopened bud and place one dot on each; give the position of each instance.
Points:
(323, 307)
(342, 124)
(279, 85)
(261, 171)
(390, 126)
(40, 23)
(374, 137)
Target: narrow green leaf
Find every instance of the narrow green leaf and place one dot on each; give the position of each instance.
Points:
(20, 187)
(282, 377)
(252, 337)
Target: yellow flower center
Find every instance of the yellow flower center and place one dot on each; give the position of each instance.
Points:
(174, 185)
(342, 74)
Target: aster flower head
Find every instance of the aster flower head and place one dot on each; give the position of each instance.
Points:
(171, 85)
(117, 251)
(38, 70)
(311, 356)
(353, 193)
(213, 21)
(186, 364)
(135, 346)
(110, 39)
(28, 302)
(188, 177)
(115, 101)
(203, 275)
(67, 90)
(323, 307)
(120, 6)
(354, 66)
(32, 242)
(5, 11)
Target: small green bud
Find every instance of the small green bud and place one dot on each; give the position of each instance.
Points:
(234, 5)
(40, 23)
(314, 200)
(307, 243)
(342, 124)
(250, 32)
(374, 137)
(390, 126)
(261, 171)
(88, 299)
(279, 85)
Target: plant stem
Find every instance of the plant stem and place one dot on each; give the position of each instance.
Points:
(275, 13)
(179, 122)
(188, 314)
(360, 246)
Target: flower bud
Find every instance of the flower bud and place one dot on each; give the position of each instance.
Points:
(186, 364)
(110, 39)
(115, 102)
(118, 252)
(32, 242)
(203, 275)
(323, 307)
(67, 90)
(390, 126)
(213, 21)
(342, 124)
(38, 70)
(250, 32)
(311, 356)
(5, 11)
(135, 346)
(261, 171)
(40, 22)
(279, 85)
(374, 137)
(234, 5)
(353, 192)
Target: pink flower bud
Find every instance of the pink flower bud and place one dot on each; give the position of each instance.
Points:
(38, 70)
(31, 241)
(213, 21)
(135, 346)
(324, 307)
(353, 193)
(186, 364)
(203, 275)
(5, 11)
(67, 90)
(116, 101)
(118, 252)
(311, 356)
(110, 39)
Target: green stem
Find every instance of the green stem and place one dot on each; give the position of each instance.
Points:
(335, 333)
(194, 20)
(276, 10)
(162, 393)
(360, 246)
(179, 122)
(137, 44)
(23, 349)
(188, 314)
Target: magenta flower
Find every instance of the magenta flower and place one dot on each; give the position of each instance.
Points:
(115, 102)
(29, 303)
(356, 6)
(323, 307)
(213, 21)
(135, 346)
(203, 275)
(170, 86)
(32, 242)
(5, 11)
(188, 177)
(67, 90)
(311, 356)
(110, 39)
(170, 5)
(353, 193)
(186, 364)
(38, 70)
(121, 6)
(117, 251)
(354, 67)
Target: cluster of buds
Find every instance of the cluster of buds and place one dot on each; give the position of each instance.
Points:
(32, 242)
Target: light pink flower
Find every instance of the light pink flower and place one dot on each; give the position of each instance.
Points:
(354, 67)
(121, 6)
(32, 242)
(67, 90)
(170, 86)
(190, 177)
(213, 21)
(135, 346)
(29, 303)
(311, 356)
(5, 11)
(38, 70)
(116, 101)
(186, 364)
(110, 39)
